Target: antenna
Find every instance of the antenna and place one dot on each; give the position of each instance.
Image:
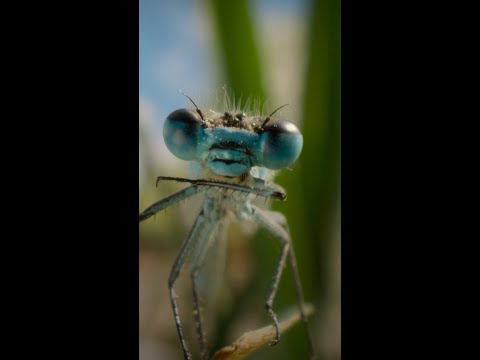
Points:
(189, 98)
(269, 116)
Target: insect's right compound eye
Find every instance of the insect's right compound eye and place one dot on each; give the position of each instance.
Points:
(282, 144)
(180, 133)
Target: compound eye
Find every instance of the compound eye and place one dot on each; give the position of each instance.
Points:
(180, 133)
(282, 144)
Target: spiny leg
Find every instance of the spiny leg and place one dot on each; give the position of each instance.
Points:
(274, 287)
(168, 201)
(175, 272)
(292, 260)
(301, 301)
(202, 339)
(264, 218)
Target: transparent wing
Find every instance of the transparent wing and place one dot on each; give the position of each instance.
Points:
(212, 270)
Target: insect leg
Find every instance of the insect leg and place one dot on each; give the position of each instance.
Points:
(279, 232)
(280, 219)
(168, 201)
(175, 272)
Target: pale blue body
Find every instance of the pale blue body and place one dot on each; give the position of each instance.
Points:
(233, 157)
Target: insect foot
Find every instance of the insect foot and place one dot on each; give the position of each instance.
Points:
(268, 305)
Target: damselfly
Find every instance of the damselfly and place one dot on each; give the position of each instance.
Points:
(233, 154)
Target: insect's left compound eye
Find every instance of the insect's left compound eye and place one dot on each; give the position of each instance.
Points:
(282, 144)
(180, 133)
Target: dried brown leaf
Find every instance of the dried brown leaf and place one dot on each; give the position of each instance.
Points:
(254, 340)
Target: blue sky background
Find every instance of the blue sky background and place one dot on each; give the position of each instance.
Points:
(171, 53)
(177, 50)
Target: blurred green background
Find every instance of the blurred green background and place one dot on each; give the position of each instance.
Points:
(275, 51)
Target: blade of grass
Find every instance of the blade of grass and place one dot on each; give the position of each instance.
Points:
(237, 48)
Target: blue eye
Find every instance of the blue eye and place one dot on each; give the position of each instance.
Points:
(282, 144)
(180, 133)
